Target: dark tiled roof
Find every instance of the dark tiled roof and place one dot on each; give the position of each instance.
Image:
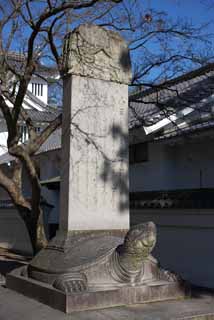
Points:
(189, 89)
(52, 143)
(5, 158)
(188, 130)
(44, 116)
(150, 106)
(48, 115)
(36, 100)
(17, 60)
(177, 199)
(40, 116)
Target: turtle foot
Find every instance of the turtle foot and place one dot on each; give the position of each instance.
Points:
(168, 276)
(68, 283)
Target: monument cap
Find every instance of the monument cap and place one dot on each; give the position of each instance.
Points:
(95, 52)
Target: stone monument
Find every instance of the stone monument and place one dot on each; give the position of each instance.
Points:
(95, 260)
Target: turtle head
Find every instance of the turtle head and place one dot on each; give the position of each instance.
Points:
(140, 240)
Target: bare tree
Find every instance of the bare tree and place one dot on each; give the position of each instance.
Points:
(36, 24)
(155, 44)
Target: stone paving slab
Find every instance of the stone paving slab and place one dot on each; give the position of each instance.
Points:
(14, 306)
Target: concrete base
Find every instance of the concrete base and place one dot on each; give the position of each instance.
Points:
(126, 295)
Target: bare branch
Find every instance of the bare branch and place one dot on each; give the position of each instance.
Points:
(34, 144)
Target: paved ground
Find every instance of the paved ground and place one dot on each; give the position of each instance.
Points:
(14, 306)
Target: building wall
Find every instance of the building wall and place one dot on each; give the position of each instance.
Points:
(43, 98)
(49, 163)
(194, 165)
(3, 194)
(13, 233)
(40, 81)
(3, 137)
(184, 241)
(49, 168)
(154, 173)
(180, 166)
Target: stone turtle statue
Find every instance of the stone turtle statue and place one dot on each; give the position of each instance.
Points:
(100, 262)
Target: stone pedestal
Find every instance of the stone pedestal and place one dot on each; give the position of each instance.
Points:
(89, 264)
(92, 300)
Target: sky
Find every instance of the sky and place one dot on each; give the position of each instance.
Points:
(195, 12)
(198, 11)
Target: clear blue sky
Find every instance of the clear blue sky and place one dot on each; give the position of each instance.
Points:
(197, 11)
(194, 12)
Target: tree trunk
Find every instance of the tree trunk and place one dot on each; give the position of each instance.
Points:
(41, 239)
(35, 227)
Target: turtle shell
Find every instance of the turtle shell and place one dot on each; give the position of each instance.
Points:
(75, 254)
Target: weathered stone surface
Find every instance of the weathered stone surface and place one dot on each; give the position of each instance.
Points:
(86, 266)
(97, 271)
(95, 52)
(89, 300)
(94, 168)
(96, 262)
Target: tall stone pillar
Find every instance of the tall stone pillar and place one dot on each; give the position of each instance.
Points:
(94, 177)
(90, 264)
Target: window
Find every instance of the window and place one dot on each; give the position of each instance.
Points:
(138, 152)
(23, 133)
(37, 89)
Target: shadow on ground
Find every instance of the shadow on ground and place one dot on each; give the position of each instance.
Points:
(10, 260)
(9, 265)
(199, 292)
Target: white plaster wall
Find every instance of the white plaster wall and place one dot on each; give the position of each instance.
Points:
(44, 97)
(189, 165)
(193, 165)
(184, 242)
(154, 173)
(45, 93)
(3, 142)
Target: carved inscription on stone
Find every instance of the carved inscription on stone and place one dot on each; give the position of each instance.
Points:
(94, 184)
(99, 137)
